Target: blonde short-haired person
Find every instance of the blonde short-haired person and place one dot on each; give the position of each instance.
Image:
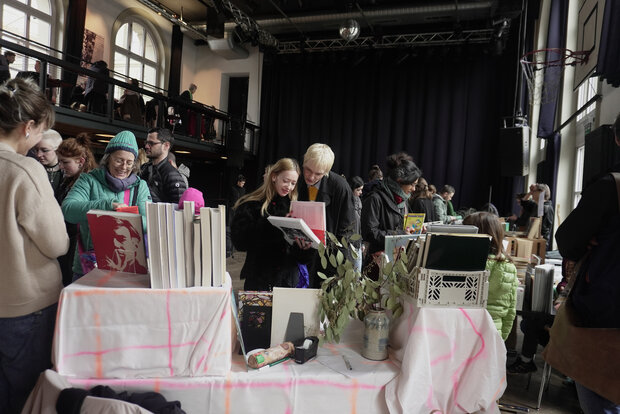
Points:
(45, 153)
(33, 236)
(321, 185)
(270, 261)
(114, 184)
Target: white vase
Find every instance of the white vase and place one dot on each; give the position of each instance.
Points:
(376, 333)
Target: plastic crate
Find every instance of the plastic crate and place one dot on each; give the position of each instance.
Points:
(449, 288)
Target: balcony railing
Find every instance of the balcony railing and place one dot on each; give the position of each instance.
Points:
(193, 123)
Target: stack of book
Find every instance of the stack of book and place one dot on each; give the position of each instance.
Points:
(185, 249)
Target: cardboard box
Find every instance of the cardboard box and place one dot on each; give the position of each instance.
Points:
(524, 248)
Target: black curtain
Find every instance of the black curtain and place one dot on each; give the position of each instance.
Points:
(608, 63)
(443, 106)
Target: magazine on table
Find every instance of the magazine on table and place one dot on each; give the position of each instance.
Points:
(295, 228)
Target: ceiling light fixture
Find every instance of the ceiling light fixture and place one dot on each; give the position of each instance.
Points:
(349, 30)
(224, 158)
(103, 141)
(182, 152)
(105, 135)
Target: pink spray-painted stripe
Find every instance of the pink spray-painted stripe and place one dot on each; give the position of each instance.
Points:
(169, 334)
(267, 384)
(468, 361)
(125, 348)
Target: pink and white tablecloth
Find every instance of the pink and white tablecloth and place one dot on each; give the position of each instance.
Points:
(112, 325)
(452, 360)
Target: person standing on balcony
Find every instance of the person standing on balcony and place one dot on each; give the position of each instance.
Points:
(5, 60)
(165, 182)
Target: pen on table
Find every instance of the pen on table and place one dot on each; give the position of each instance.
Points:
(347, 363)
(279, 362)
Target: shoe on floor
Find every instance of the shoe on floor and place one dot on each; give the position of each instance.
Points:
(520, 367)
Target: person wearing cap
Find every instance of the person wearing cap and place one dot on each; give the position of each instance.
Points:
(164, 180)
(114, 184)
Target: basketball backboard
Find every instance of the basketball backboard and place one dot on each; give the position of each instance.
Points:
(590, 21)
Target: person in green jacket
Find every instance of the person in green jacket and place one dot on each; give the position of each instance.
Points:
(113, 185)
(502, 300)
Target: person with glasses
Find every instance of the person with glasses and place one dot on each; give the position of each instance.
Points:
(165, 182)
(113, 185)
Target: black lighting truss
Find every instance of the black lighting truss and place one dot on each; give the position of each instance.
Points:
(388, 41)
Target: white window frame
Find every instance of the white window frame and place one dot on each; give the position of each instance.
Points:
(128, 54)
(577, 186)
(28, 64)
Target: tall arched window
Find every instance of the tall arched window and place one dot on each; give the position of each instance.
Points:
(136, 55)
(31, 19)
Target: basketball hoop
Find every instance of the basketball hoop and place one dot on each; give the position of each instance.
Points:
(542, 70)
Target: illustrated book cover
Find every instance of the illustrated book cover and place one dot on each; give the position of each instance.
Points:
(295, 228)
(415, 221)
(118, 240)
(313, 214)
(255, 310)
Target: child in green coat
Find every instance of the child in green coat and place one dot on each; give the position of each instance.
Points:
(503, 282)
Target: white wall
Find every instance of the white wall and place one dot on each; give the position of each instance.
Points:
(211, 75)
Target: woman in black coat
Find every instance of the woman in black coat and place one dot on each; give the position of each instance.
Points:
(422, 201)
(384, 209)
(270, 261)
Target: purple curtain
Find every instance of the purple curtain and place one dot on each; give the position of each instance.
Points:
(608, 63)
(556, 38)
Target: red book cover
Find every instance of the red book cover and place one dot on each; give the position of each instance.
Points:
(313, 214)
(118, 241)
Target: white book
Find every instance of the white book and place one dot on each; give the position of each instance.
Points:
(172, 262)
(179, 247)
(293, 228)
(223, 242)
(197, 252)
(152, 233)
(163, 245)
(207, 262)
(542, 289)
(216, 245)
(188, 219)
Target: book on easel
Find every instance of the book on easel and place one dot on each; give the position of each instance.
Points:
(395, 243)
(118, 241)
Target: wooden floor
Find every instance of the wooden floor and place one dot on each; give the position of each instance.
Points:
(558, 397)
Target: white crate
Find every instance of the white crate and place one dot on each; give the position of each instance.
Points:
(449, 288)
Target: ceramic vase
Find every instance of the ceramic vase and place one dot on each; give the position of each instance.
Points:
(376, 333)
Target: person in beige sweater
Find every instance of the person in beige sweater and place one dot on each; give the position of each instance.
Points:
(33, 236)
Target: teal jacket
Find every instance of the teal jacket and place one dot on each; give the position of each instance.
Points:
(91, 192)
(502, 299)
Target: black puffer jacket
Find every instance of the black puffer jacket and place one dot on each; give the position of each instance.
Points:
(165, 182)
(381, 217)
(270, 260)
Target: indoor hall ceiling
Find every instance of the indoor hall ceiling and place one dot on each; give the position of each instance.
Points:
(269, 22)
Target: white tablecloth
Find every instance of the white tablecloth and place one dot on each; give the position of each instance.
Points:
(111, 325)
(322, 385)
(453, 361)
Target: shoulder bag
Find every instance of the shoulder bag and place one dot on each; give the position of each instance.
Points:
(590, 356)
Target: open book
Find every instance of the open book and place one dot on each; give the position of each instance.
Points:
(295, 228)
(313, 214)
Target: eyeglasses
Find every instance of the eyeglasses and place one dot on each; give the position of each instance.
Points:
(151, 143)
(120, 162)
